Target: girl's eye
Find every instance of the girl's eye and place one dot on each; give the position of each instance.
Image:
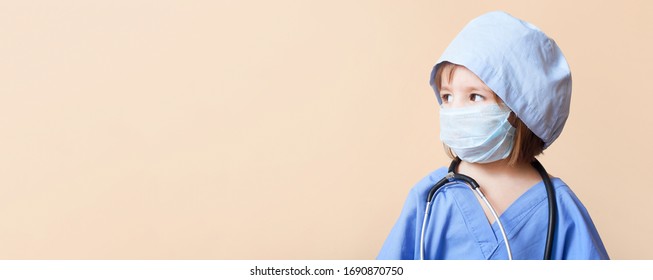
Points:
(476, 97)
(446, 98)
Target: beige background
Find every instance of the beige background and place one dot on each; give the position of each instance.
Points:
(280, 129)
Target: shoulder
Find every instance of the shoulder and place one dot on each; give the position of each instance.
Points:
(422, 187)
(566, 198)
(419, 191)
(575, 228)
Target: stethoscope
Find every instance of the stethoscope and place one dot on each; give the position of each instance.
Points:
(452, 175)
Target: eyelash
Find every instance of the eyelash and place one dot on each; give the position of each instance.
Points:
(476, 95)
(472, 97)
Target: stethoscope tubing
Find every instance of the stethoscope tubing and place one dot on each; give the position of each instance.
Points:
(553, 208)
(452, 176)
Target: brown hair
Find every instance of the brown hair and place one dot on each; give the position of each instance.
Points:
(527, 145)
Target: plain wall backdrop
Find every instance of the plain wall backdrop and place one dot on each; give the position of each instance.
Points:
(281, 129)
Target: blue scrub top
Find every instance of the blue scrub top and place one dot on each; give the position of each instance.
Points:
(457, 227)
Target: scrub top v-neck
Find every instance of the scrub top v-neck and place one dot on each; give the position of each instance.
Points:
(459, 229)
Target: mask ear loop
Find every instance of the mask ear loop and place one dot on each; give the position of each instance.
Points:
(512, 118)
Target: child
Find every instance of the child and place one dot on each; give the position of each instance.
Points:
(504, 88)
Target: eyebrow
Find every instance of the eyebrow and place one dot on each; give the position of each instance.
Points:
(468, 88)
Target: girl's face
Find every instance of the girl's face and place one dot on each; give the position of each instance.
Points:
(465, 89)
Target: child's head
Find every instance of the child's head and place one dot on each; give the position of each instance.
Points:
(459, 87)
(511, 63)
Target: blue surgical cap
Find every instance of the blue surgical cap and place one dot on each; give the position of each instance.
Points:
(521, 64)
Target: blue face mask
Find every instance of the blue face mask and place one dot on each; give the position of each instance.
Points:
(480, 133)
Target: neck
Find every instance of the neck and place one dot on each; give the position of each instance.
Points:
(498, 168)
(500, 182)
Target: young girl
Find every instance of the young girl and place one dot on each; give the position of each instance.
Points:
(504, 90)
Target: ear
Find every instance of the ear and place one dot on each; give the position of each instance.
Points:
(512, 119)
